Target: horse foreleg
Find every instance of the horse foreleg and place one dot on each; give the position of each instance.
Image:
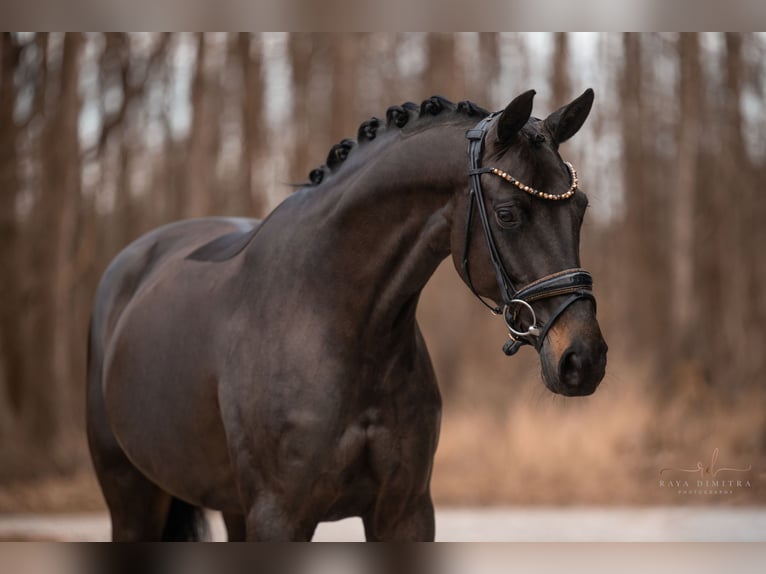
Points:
(270, 520)
(412, 522)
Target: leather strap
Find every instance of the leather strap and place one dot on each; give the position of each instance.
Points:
(577, 283)
(476, 201)
(561, 283)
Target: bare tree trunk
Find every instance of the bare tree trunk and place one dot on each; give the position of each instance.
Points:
(127, 226)
(560, 85)
(632, 119)
(300, 47)
(642, 276)
(734, 72)
(683, 293)
(197, 192)
(59, 202)
(172, 152)
(444, 75)
(252, 202)
(65, 168)
(756, 231)
(345, 62)
(489, 70)
(11, 344)
(737, 198)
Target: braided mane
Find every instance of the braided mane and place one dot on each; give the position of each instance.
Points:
(396, 118)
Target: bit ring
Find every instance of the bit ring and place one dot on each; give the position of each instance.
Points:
(533, 329)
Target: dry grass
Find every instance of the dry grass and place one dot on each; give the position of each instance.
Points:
(605, 449)
(77, 492)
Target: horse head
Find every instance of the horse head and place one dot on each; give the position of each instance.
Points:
(515, 240)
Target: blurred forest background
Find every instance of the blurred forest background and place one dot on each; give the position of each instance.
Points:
(105, 136)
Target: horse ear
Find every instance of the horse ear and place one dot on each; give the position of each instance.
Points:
(567, 120)
(514, 116)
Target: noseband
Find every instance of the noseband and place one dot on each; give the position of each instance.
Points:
(577, 283)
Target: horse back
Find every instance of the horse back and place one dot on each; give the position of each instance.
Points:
(137, 263)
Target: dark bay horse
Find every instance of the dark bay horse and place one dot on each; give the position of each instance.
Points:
(274, 370)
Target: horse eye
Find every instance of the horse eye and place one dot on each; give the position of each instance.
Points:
(505, 215)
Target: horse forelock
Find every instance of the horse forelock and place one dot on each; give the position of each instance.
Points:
(397, 117)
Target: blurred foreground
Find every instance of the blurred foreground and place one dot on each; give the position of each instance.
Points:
(541, 558)
(655, 524)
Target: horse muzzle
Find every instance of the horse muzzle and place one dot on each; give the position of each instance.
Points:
(573, 355)
(576, 363)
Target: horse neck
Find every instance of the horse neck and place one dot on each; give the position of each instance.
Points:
(381, 226)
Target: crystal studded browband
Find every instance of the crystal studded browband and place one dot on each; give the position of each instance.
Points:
(532, 191)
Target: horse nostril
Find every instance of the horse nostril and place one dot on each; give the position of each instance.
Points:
(582, 366)
(570, 366)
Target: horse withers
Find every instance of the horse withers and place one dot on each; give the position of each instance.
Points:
(274, 370)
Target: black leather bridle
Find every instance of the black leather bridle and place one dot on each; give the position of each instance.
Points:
(577, 283)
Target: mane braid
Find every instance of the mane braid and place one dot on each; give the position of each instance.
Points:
(435, 105)
(339, 152)
(368, 130)
(396, 118)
